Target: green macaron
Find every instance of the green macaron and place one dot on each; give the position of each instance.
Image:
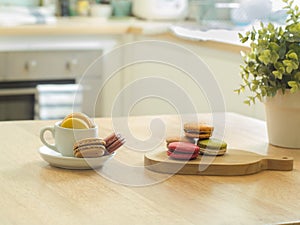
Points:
(212, 143)
(212, 146)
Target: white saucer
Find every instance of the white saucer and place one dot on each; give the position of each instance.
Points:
(56, 159)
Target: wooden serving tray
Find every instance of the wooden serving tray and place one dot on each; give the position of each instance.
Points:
(234, 162)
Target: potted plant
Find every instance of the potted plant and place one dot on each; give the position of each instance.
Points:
(271, 73)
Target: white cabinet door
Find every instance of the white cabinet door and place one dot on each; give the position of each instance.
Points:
(30, 65)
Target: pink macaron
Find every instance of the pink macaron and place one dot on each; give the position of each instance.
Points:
(183, 150)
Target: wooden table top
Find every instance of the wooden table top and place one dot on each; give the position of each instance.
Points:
(124, 192)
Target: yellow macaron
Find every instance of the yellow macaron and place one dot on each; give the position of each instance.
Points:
(82, 116)
(74, 123)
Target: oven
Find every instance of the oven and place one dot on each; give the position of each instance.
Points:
(34, 60)
(17, 98)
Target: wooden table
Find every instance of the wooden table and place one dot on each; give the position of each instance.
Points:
(32, 192)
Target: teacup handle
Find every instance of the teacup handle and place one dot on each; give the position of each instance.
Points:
(42, 137)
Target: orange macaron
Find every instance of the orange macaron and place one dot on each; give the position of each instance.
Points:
(198, 130)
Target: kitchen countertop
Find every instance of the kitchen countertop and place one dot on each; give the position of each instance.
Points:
(221, 39)
(87, 25)
(32, 192)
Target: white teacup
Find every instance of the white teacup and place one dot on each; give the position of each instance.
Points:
(66, 137)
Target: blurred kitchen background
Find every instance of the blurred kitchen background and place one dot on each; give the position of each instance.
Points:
(213, 12)
(41, 70)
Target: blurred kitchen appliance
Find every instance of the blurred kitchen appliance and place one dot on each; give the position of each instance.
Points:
(55, 101)
(17, 98)
(121, 8)
(215, 13)
(160, 9)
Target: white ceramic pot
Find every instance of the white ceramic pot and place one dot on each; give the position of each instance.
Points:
(101, 10)
(160, 9)
(283, 119)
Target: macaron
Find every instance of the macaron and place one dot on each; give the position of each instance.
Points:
(212, 146)
(113, 142)
(179, 139)
(182, 151)
(89, 148)
(198, 130)
(180, 156)
(77, 120)
(74, 123)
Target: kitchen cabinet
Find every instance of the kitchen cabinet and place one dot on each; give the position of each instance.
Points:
(24, 70)
(51, 57)
(43, 65)
(224, 65)
(25, 63)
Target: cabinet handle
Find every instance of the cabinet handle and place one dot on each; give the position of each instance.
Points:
(30, 65)
(72, 64)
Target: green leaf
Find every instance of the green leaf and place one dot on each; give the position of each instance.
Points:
(289, 69)
(238, 91)
(254, 88)
(290, 65)
(259, 97)
(246, 75)
(263, 91)
(252, 99)
(274, 57)
(247, 102)
(270, 27)
(265, 57)
(278, 65)
(274, 46)
(294, 28)
(261, 25)
(294, 65)
(297, 75)
(252, 37)
(244, 39)
(277, 74)
(294, 86)
(293, 55)
(282, 50)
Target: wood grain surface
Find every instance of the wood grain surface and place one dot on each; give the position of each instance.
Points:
(233, 163)
(124, 192)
